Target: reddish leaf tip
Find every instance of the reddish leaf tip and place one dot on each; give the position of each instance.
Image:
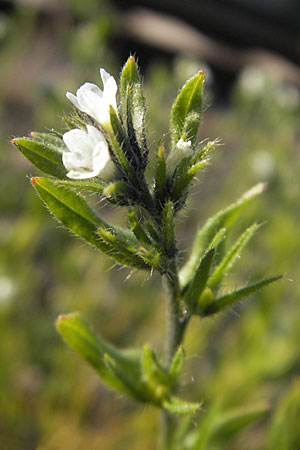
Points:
(61, 317)
(33, 180)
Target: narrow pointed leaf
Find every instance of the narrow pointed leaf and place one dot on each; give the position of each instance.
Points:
(80, 337)
(206, 234)
(70, 209)
(186, 110)
(199, 281)
(44, 157)
(235, 296)
(133, 107)
(231, 257)
(233, 422)
(129, 77)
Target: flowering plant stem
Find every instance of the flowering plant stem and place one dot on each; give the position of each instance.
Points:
(105, 151)
(177, 323)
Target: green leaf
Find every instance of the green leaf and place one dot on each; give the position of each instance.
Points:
(72, 211)
(51, 140)
(43, 156)
(133, 108)
(187, 109)
(177, 406)
(206, 234)
(129, 77)
(231, 423)
(80, 337)
(94, 185)
(198, 283)
(285, 424)
(231, 257)
(235, 296)
(177, 365)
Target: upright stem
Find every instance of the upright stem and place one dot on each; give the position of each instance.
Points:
(175, 333)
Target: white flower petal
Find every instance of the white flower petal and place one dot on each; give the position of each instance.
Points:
(72, 99)
(87, 155)
(104, 76)
(95, 102)
(183, 149)
(76, 139)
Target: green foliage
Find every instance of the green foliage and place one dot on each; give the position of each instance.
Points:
(214, 225)
(45, 157)
(149, 243)
(285, 425)
(187, 110)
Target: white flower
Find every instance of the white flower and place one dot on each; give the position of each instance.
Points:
(93, 101)
(87, 155)
(182, 149)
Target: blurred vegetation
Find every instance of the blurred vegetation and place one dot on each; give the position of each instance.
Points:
(49, 398)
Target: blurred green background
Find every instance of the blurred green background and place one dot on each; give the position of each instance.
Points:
(49, 398)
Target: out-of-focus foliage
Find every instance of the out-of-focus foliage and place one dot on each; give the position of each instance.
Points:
(49, 398)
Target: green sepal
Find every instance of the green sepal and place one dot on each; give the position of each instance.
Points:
(206, 234)
(205, 299)
(231, 257)
(119, 192)
(168, 229)
(179, 407)
(177, 365)
(204, 152)
(156, 379)
(198, 283)
(77, 333)
(160, 176)
(121, 251)
(151, 257)
(45, 157)
(233, 297)
(137, 228)
(182, 181)
(187, 109)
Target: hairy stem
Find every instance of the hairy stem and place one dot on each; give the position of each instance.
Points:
(176, 327)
